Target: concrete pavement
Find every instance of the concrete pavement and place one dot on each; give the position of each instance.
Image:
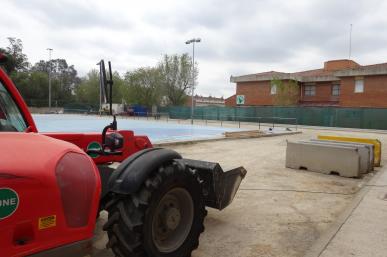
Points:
(279, 212)
(361, 230)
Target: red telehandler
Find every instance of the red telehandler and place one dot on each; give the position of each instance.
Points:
(53, 185)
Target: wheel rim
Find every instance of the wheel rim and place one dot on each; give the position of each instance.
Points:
(173, 220)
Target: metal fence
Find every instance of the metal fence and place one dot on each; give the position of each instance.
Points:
(259, 121)
(222, 121)
(364, 118)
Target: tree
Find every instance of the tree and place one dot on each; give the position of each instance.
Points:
(17, 60)
(287, 92)
(144, 86)
(33, 86)
(88, 90)
(120, 89)
(61, 71)
(176, 77)
(63, 77)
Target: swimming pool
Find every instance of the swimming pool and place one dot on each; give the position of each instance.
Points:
(157, 131)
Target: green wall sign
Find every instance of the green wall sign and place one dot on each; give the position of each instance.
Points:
(240, 99)
(9, 202)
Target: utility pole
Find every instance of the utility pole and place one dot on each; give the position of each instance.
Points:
(193, 41)
(350, 42)
(49, 76)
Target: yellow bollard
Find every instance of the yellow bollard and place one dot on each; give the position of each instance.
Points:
(377, 144)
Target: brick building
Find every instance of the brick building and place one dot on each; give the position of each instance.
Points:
(342, 83)
(205, 101)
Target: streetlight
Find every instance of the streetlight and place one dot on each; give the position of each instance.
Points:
(193, 41)
(49, 76)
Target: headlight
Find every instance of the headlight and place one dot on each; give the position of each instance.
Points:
(77, 183)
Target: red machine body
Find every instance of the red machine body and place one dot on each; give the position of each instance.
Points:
(28, 167)
(35, 168)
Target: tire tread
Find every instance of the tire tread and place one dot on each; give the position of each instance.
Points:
(126, 216)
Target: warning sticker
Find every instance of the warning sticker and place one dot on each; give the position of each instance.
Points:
(47, 222)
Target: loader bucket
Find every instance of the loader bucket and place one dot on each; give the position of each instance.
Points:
(219, 187)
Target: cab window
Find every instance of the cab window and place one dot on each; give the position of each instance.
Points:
(11, 118)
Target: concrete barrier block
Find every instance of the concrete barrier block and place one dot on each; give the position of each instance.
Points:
(365, 150)
(377, 145)
(324, 158)
(365, 160)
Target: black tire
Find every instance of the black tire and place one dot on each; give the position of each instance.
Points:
(134, 221)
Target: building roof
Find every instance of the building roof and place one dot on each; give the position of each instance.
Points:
(373, 69)
(313, 73)
(269, 75)
(207, 99)
(378, 65)
(332, 71)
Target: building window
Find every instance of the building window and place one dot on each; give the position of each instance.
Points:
(310, 90)
(359, 86)
(273, 89)
(335, 90)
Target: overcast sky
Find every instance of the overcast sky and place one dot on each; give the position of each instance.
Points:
(238, 36)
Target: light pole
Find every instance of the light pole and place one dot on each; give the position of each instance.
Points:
(49, 76)
(193, 41)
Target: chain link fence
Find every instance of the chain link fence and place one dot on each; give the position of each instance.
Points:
(363, 118)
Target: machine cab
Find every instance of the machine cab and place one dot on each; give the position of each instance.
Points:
(14, 113)
(11, 118)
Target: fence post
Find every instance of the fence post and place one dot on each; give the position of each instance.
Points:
(235, 113)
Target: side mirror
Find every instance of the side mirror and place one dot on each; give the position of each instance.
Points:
(114, 141)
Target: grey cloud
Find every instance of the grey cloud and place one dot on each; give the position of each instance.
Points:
(213, 14)
(323, 25)
(71, 14)
(266, 33)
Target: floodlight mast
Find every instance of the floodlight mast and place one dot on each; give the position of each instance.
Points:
(193, 41)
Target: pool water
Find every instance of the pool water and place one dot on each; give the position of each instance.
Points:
(157, 131)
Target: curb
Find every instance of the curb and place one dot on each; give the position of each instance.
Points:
(221, 138)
